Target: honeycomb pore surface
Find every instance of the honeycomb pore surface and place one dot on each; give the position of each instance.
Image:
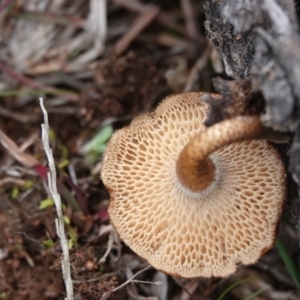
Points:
(184, 233)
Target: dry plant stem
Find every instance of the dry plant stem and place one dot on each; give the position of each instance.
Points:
(164, 18)
(26, 159)
(57, 18)
(20, 78)
(59, 222)
(18, 117)
(190, 23)
(12, 180)
(196, 70)
(109, 247)
(195, 170)
(132, 5)
(107, 294)
(141, 22)
(27, 82)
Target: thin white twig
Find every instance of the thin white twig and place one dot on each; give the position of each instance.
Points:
(59, 222)
(159, 282)
(109, 247)
(130, 279)
(104, 297)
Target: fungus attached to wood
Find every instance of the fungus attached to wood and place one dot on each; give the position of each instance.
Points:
(194, 201)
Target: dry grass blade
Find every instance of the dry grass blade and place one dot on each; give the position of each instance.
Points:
(109, 247)
(132, 5)
(141, 22)
(105, 296)
(190, 23)
(59, 222)
(18, 117)
(197, 68)
(96, 26)
(19, 77)
(163, 17)
(26, 159)
(12, 180)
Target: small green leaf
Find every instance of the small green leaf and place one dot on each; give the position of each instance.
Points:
(73, 238)
(63, 163)
(101, 269)
(64, 151)
(48, 244)
(63, 207)
(97, 143)
(52, 135)
(70, 243)
(15, 193)
(2, 295)
(73, 54)
(67, 220)
(28, 184)
(101, 149)
(46, 203)
(233, 286)
(91, 158)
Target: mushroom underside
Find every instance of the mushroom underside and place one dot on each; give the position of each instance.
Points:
(184, 233)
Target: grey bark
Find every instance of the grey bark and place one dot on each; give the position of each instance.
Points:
(260, 44)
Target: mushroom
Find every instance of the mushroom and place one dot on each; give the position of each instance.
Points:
(194, 201)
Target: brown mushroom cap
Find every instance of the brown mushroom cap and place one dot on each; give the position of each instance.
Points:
(185, 233)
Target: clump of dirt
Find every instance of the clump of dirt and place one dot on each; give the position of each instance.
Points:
(27, 271)
(89, 280)
(123, 86)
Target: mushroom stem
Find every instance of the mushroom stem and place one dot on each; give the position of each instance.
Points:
(195, 169)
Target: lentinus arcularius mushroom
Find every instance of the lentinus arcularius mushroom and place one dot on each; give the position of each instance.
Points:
(194, 201)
